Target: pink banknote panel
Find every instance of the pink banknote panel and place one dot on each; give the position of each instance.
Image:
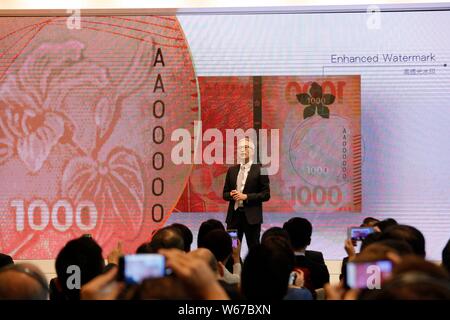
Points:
(85, 121)
(318, 119)
(320, 141)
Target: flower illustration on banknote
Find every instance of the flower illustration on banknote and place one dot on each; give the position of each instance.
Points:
(35, 118)
(316, 100)
(116, 186)
(32, 121)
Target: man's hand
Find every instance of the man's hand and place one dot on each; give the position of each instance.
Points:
(195, 273)
(349, 247)
(238, 196)
(102, 287)
(115, 254)
(237, 252)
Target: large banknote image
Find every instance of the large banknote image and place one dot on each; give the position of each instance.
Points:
(85, 121)
(318, 119)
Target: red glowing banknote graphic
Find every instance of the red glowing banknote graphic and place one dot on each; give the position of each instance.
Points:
(318, 119)
(85, 122)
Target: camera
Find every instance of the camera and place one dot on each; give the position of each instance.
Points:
(359, 233)
(133, 269)
(368, 275)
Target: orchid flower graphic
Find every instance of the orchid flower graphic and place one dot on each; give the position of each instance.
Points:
(34, 122)
(316, 100)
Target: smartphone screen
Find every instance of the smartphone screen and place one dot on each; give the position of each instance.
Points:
(359, 233)
(368, 275)
(133, 269)
(234, 237)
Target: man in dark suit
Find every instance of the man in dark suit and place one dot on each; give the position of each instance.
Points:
(312, 262)
(246, 188)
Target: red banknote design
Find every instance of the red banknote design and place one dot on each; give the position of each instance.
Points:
(228, 104)
(318, 119)
(85, 123)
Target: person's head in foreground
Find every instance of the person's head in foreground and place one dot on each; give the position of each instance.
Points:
(275, 232)
(383, 225)
(266, 271)
(409, 234)
(300, 231)
(220, 244)
(186, 234)
(205, 228)
(167, 238)
(23, 282)
(85, 255)
(369, 222)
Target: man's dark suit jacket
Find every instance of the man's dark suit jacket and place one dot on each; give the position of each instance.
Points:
(316, 256)
(314, 262)
(256, 188)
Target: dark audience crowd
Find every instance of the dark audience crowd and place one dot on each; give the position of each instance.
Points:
(392, 259)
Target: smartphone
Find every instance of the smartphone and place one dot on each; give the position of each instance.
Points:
(359, 233)
(368, 275)
(134, 268)
(234, 237)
